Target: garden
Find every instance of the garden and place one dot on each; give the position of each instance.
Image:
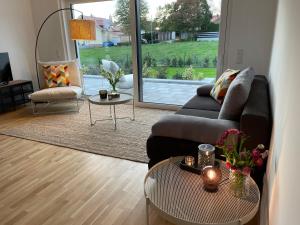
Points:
(184, 60)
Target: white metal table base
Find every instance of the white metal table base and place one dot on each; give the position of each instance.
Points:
(113, 115)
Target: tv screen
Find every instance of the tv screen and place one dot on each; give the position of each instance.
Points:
(5, 69)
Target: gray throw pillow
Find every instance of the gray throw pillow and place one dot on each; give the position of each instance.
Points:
(237, 95)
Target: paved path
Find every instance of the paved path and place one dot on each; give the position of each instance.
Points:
(155, 92)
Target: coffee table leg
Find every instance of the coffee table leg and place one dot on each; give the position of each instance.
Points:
(133, 110)
(91, 121)
(147, 211)
(115, 117)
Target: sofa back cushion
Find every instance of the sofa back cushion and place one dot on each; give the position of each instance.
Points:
(237, 95)
(256, 119)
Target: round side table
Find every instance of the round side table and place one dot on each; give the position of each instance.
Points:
(124, 98)
(179, 197)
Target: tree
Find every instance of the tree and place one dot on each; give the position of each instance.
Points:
(123, 14)
(188, 16)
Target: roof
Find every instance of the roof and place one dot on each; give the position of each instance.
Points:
(100, 22)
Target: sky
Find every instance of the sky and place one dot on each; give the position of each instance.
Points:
(106, 8)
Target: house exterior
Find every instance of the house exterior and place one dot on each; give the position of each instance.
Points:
(106, 31)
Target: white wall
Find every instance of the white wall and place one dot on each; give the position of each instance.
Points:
(250, 29)
(283, 171)
(17, 37)
(54, 42)
(51, 42)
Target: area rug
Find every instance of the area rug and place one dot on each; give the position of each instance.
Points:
(73, 130)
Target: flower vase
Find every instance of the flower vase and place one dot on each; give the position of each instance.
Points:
(239, 184)
(113, 88)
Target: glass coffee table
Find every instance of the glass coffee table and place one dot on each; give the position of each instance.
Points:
(124, 98)
(179, 197)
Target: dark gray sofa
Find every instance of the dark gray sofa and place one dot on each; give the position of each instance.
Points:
(181, 133)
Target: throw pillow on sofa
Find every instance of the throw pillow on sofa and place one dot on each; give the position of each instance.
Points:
(56, 76)
(221, 86)
(237, 95)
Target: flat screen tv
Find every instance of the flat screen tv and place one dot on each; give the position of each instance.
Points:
(5, 69)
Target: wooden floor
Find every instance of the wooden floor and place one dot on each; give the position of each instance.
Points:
(42, 184)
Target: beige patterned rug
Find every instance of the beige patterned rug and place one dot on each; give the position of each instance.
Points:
(73, 130)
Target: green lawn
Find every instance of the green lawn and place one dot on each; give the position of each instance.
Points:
(208, 72)
(199, 54)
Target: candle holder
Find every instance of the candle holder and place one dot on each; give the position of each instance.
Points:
(212, 177)
(103, 94)
(206, 155)
(189, 160)
(189, 164)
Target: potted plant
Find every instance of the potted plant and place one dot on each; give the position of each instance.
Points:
(112, 72)
(240, 160)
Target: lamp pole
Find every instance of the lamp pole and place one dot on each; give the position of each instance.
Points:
(38, 35)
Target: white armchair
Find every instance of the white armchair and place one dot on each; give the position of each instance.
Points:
(59, 94)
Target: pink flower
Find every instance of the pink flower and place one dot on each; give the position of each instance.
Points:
(255, 154)
(259, 162)
(228, 165)
(233, 169)
(246, 171)
(233, 131)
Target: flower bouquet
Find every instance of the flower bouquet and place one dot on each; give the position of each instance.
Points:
(239, 160)
(112, 72)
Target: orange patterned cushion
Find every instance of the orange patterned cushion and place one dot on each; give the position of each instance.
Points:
(56, 76)
(221, 86)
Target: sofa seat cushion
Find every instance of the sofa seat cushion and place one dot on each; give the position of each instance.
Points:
(199, 113)
(198, 129)
(58, 93)
(203, 103)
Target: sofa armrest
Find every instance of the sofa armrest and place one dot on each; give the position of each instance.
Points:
(198, 129)
(204, 90)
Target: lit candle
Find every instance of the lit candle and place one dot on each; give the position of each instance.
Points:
(211, 174)
(189, 160)
(211, 178)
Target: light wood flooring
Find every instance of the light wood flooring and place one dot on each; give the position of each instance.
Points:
(41, 184)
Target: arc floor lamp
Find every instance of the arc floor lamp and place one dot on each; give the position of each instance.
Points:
(80, 29)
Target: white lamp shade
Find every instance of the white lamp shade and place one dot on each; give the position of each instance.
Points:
(82, 29)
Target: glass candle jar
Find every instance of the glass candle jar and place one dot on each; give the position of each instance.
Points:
(189, 160)
(103, 94)
(212, 177)
(206, 155)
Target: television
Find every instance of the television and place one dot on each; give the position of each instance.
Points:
(5, 69)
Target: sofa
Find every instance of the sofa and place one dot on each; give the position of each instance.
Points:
(198, 122)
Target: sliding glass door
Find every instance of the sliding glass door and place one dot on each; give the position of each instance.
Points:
(175, 43)
(179, 48)
(113, 34)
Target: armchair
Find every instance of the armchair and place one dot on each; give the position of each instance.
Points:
(59, 94)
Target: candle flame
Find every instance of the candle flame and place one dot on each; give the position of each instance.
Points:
(211, 174)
